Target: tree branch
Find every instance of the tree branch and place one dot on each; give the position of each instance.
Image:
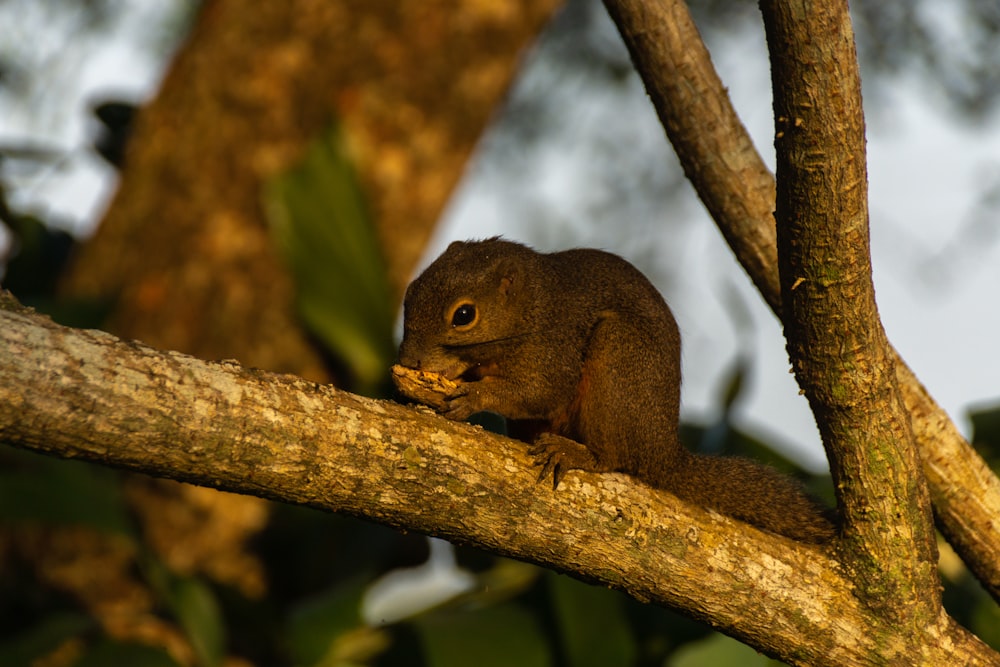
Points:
(738, 190)
(89, 395)
(715, 151)
(836, 342)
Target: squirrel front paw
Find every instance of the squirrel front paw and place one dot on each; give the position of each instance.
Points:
(556, 454)
(462, 403)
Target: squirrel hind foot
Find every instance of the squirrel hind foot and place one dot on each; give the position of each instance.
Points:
(557, 454)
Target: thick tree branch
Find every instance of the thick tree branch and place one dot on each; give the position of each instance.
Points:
(738, 190)
(89, 395)
(836, 342)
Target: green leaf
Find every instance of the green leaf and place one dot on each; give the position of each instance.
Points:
(321, 225)
(133, 655)
(592, 624)
(198, 613)
(985, 621)
(314, 624)
(490, 637)
(43, 638)
(60, 492)
(719, 651)
(986, 433)
(194, 605)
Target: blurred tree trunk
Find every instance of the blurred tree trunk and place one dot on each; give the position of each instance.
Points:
(185, 249)
(184, 246)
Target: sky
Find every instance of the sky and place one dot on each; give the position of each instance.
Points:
(126, 60)
(935, 269)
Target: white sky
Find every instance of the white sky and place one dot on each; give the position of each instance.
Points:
(116, 64)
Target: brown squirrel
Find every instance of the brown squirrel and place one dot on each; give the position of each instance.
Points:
(581, 354)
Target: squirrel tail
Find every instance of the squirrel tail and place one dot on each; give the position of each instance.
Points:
(754, 493)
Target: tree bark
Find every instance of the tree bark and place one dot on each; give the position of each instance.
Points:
(836, 342)
(89, 395)
(738, 190)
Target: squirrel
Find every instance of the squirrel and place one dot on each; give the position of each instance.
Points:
(581, 354)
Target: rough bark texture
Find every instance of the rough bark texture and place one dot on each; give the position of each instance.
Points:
(836, 342)
(89, 395)
(738, 190)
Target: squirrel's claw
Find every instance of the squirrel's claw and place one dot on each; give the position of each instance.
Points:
(556, 454)
(460, 404)
(549, 461)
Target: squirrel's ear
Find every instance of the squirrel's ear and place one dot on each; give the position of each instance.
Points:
(509, 277)
(506, 285)
(510, 280)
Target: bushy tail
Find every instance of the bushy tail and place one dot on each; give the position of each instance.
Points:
(754, 493)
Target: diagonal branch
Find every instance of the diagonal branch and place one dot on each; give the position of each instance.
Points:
(715, 151)
(738, 190)
(89, 395)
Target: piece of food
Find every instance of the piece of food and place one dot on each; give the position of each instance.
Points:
(424, 387)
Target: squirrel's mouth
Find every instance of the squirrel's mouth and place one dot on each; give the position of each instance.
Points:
(477, 372)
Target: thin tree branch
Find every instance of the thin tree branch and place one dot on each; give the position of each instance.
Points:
(89, 395)
(738, 190)
(715, 151)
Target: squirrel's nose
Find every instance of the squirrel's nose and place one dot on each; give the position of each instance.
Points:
(407, 356)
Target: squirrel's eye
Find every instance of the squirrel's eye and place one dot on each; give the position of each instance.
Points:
(464, 315)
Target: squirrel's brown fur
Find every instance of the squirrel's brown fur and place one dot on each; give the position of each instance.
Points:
(581, 353)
